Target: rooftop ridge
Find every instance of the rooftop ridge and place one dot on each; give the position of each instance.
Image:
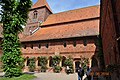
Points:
(41, 3)
(77, 9)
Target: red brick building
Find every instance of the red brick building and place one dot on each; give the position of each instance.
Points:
(110, 33)
(71, 33)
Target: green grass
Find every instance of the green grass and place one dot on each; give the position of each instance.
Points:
(23, 77)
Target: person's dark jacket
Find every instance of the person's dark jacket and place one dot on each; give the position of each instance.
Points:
(80, 72)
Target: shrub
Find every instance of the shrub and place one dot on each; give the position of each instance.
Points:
(84, 62)
(57, 69)
(43, 68)
(31, 64)
(56, 60)
(43, 63)
(69, 63)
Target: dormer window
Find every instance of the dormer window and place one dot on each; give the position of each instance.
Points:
(35, 14)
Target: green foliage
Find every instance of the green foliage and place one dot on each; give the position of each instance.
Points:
(43, 68)
(14, 14)
(84, 62)
(57, 69)
(43, 63)
(22, 77)
(69, 63)
(56, 60)
(31, 64)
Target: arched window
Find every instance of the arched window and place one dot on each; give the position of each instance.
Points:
(38, 61)
(35, 14)
(77, 63)
(28, 61)
(50, 62)
(63, 60)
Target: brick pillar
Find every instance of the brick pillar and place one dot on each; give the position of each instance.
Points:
(74, 66)
(36, 64)
(26, 67)
(60, 64)
(48, 63)
(90, 62)
(25, 62)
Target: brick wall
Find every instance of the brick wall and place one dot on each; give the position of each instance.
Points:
(57, 47)
(110, 32)
(32, 22)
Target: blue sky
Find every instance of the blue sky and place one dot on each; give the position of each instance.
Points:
(65, 5)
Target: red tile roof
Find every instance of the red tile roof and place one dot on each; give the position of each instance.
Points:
(72, 15)
(69, 30)
(41, 3)
(87, 28)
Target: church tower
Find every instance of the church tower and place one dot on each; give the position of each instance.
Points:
(38, 14)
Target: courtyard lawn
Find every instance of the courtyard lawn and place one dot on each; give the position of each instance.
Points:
(23, 77)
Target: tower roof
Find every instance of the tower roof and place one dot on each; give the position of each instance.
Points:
(41, 3)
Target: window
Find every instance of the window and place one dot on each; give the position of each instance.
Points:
(32, 46)
(38, 61)
(28, 61)
(85, 42)
(24, 46)
(47, 45)
(74, 43)
(65, 45)
(35, 14)
(39, 46)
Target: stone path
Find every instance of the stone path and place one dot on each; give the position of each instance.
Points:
(55, 76)
(1, 73)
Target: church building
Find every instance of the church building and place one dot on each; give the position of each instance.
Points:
(71, 33)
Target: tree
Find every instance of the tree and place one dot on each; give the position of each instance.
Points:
(14, 14)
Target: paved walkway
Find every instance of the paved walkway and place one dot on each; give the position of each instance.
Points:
(55, 76)
(1, 73)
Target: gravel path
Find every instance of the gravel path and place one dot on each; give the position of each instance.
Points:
(55, 76)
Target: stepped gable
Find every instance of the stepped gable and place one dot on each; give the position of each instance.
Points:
(89, 26)
(41, 3)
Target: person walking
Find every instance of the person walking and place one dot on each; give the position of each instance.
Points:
(80, 73)
(88, 73)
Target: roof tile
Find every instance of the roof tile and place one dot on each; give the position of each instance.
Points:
(73, 15)
(87, 28)
(41, 3)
